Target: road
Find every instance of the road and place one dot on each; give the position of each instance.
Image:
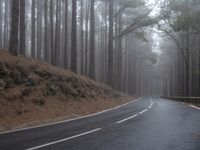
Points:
(146, 124)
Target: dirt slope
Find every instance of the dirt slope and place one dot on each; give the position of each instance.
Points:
(32, 92)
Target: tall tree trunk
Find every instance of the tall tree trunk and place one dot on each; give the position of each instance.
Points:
(187, 92)
(74, 66)
(22, 44)
(46, 33)
(33, 29)
(106, 46)
(81, 38)
(199, 69)
(39, 29)
(1, 24)
(86, 38)
(92, 41)
(52, 31)
(110, 44)
(119, 56)
(66, 65)
(14, 28)
(57, 35)
(6, 22)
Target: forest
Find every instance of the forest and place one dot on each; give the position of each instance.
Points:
(139, 47)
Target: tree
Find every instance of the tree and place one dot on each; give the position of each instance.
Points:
(52, 31)
(82, 37)
(22, 41)
(92, 40)
(39, 28)
(66, 36)
(14, 28)
(74, 66)
(1, 22)
(33, 29)
(110, 43)
(86, 37)
(6, 22)
(119, 55)
(57, 34)
(47, 52)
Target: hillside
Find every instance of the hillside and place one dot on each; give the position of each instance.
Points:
(33, 92)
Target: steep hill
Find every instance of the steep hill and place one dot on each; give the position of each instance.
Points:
(33, 92)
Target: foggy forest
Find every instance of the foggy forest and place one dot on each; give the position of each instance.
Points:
(135, 46)
(100, 74)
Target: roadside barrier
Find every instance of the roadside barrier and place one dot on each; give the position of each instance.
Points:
(193, 100)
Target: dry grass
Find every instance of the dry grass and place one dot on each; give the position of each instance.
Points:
(56, 94)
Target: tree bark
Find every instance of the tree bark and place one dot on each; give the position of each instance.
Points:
(52, 31)
(6, 21)
(110, 44)
(119, 56)
(14, 42)
(86, 38)
(1, 24)
(39, 29)
(57, 35)
(74, 66)
(33, 29)
(66, 36)
(81, 38)
(46, 33)
(22, 44)
(92, 40)
(187, 90)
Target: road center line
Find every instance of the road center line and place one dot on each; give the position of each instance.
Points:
(131, 117)
(63, 140)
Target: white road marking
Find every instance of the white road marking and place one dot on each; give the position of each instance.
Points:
(194, 107)
(64, 140)
(131, 117)
(69, 120)
(143, 111)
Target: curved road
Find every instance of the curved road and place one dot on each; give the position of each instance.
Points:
(146, 124)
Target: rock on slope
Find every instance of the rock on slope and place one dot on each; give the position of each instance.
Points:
(32, 91)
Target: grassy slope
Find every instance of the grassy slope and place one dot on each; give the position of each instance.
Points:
(38, 92)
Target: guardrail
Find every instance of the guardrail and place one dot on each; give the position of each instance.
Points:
(193, 100)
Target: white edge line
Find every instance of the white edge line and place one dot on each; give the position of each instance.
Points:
(194, 107)
(64, 140)
(190, 105)
(131, 117)
(69, 120)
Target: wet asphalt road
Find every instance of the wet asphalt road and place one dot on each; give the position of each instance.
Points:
(147, 124)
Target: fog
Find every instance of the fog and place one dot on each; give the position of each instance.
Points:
(139, 47)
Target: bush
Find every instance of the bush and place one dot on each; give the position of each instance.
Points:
(51, 89)
(38, 101)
